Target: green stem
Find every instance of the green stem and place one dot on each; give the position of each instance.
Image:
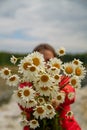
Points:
(44, 124)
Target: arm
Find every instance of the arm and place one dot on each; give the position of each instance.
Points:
(68, 89)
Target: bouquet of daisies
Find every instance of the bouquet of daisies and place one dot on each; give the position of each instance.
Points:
(37, 84)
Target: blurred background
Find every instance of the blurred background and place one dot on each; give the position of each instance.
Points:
(25, 24)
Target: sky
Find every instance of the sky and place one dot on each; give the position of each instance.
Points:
(26, 23)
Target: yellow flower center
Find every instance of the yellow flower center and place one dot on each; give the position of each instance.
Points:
(44, 78)
(49, 107)
(61, 51)
(40, 110)
(15, 59)
(78, 71)
(26, 65)
(6, 72)
(30, 101)
(75, 62)
(40, 100)
(69, 70)
(12, 78)
(56, 77)
(44, 88)
(19, 93)
(53, 69)
(36, 61)
(73, 81)
(34, 122)
(32, 68)
(59, 97)
(69, 113)
(56, 65)
(26, 93)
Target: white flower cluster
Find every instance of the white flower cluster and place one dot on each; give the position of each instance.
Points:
(44, 79)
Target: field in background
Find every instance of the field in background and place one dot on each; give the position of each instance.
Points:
(5, 90)
(5, 57)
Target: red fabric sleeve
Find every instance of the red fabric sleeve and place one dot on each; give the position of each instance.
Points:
(26, 128)
(21, 85)
(64, 81)
(68, 89)
(67, 123)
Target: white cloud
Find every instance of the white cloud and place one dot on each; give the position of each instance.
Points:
(14, 45)
(56, 22)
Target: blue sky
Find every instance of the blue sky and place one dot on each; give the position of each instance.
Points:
(27, 23)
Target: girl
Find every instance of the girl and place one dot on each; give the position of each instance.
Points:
(66, 122)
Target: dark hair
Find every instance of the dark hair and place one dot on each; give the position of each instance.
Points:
(45, 46)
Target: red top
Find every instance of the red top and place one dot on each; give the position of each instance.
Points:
(67, 123)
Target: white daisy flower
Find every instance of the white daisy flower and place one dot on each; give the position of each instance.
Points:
(31, 103)
(49, 108)
(55, 62)
(17, 95)
(74, 81)
(32, 73)
(57, 78)
(27, 93)
(68, 69)
(23, 115)
(60, 97)
(53, 70)
(45, 80)
(80, 72)
(41, 100)
(51, 115)
(13, 59)
(43, 91)
(77, 62)
(39, 112)
(54, 90)
(69, 114)
(24, 64)
(61, 51)
(13, 80)
(32, 69)
(33, 124)
(5, 73)
(78, 86)
(24, 122)
(38, 59)
(55, 87)
(71, 95)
